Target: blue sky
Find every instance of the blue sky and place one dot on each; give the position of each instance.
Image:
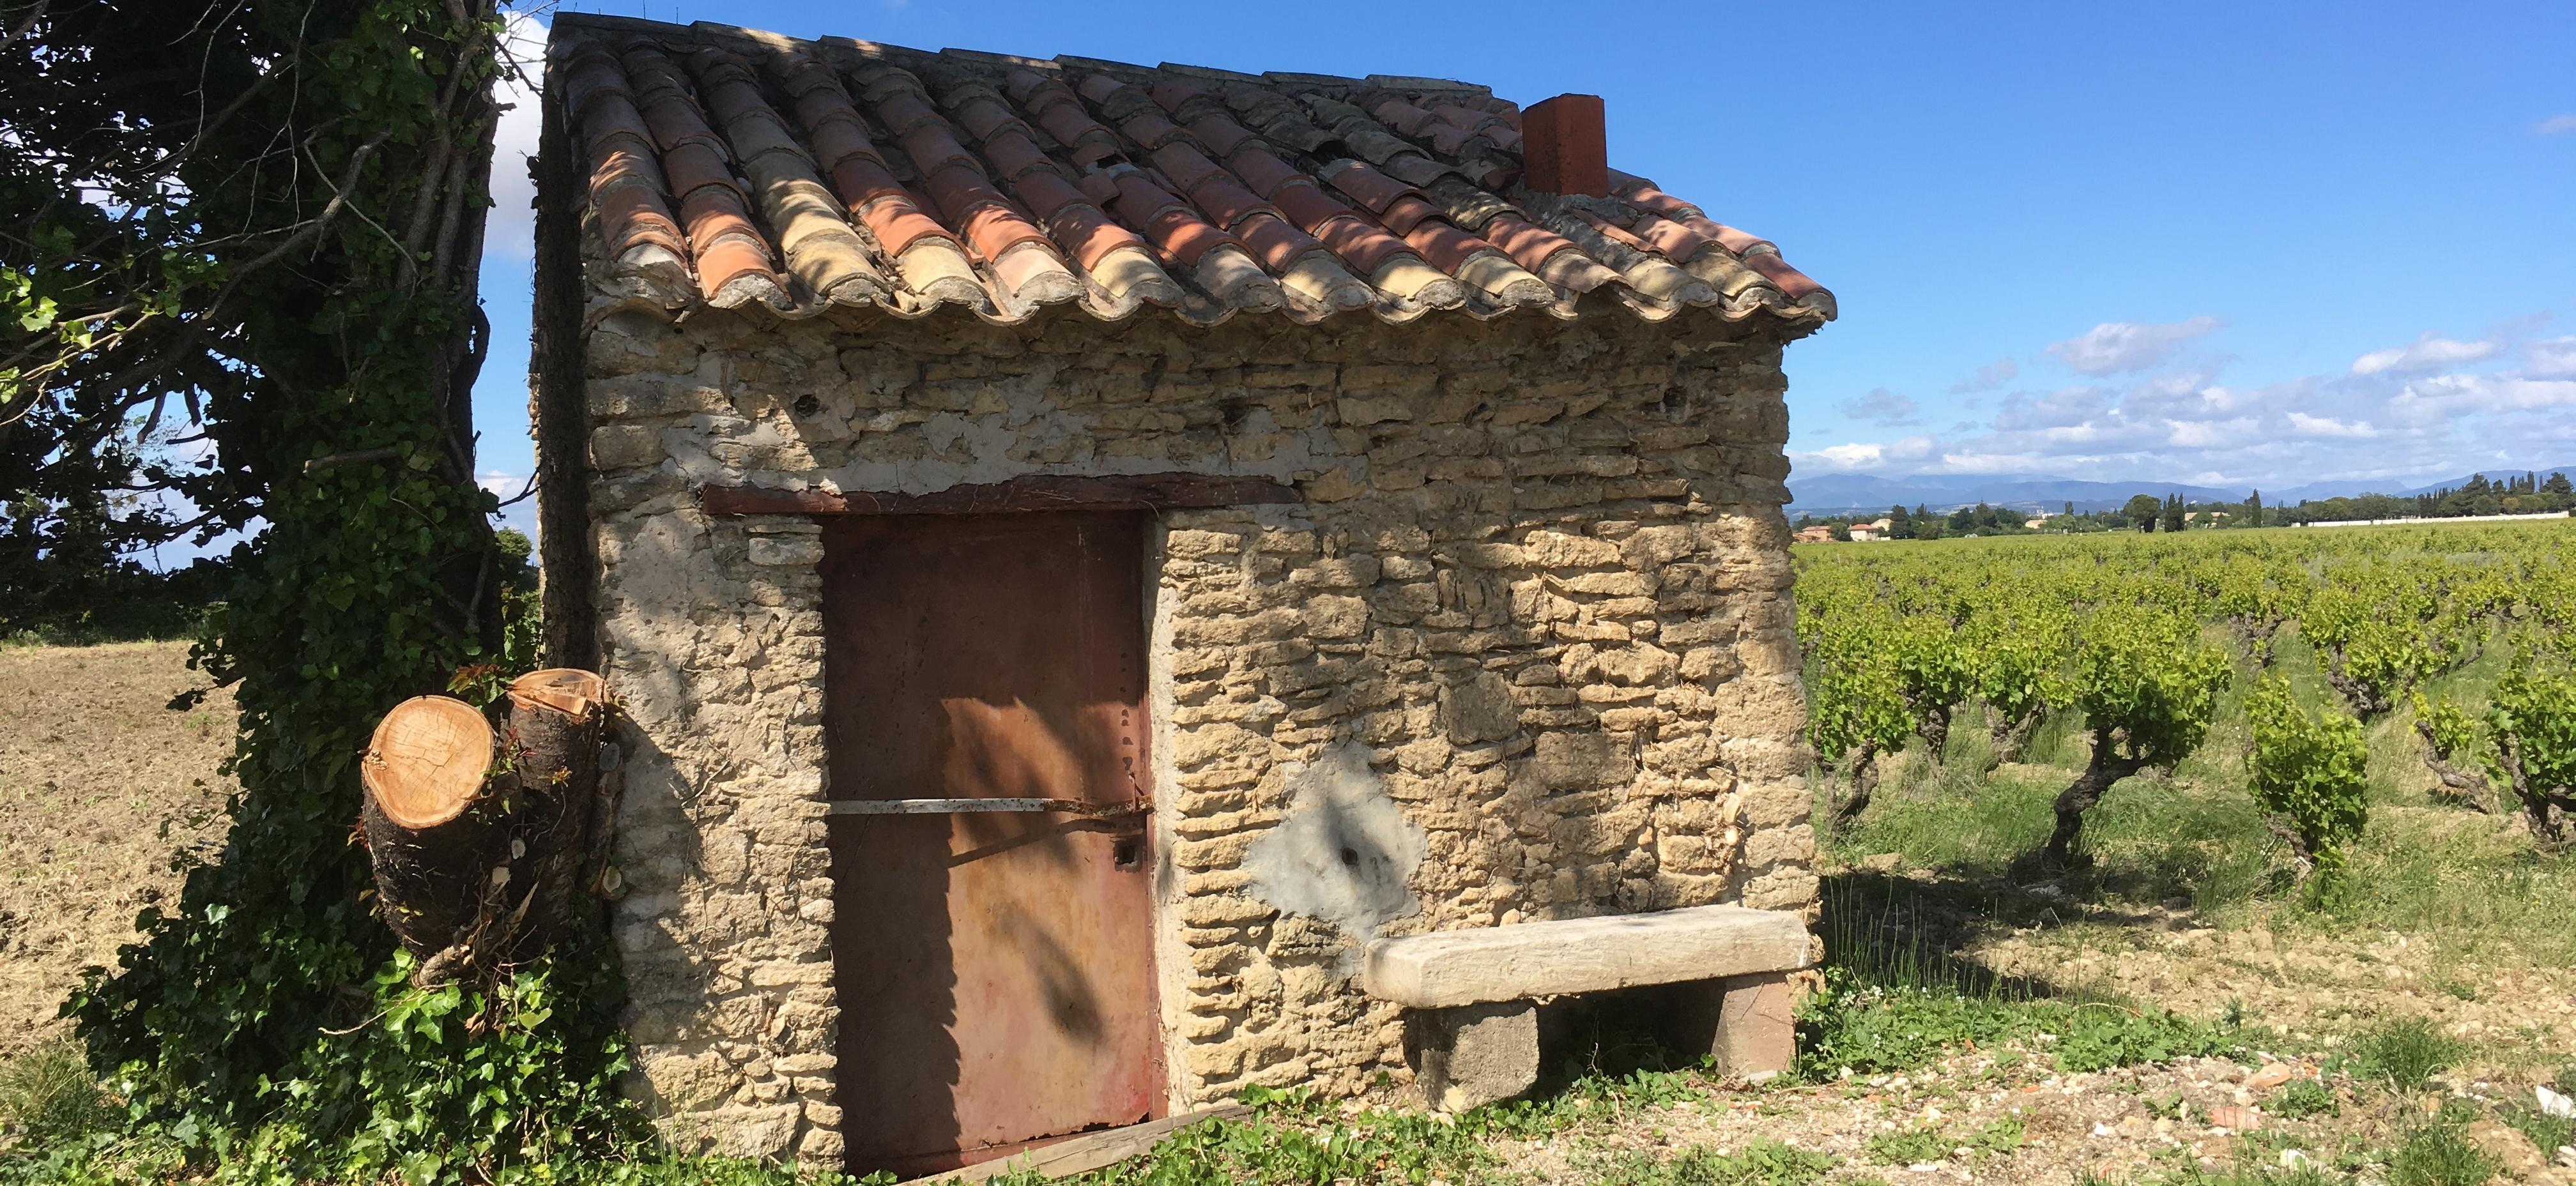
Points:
(2187, 242)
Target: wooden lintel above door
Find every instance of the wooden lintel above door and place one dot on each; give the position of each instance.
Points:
(1034, 492)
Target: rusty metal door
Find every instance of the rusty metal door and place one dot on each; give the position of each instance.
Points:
(994, 967)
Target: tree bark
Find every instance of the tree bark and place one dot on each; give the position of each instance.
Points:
(2303, 857)
(2104, 769)
(1862, 769)
(558, 774)
(2541, 809)
(1935, 730)
(2366, 702)
(2257, 637)
(2008, 738)
(2466, 787)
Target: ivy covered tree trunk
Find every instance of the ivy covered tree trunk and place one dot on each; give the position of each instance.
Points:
(319, 173)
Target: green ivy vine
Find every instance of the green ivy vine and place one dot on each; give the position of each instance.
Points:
(309, 297)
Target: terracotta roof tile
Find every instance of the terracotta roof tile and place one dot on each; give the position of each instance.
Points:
(732, 168)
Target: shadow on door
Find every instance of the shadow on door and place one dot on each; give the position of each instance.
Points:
(994, 969)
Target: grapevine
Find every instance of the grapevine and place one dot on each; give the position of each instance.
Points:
(2137, 636)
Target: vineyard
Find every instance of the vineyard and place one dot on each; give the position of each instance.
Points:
(2136, 646)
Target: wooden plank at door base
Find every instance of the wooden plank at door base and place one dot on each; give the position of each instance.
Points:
(1090, 1151)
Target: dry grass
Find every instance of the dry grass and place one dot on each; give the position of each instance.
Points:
(101, 786)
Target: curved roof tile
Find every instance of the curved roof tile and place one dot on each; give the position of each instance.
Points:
(731, 167)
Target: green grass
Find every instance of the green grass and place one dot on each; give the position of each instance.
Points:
(48, 1096)
(2403, 1053)
(2440, 1155)
(1894, 1000)
(1762, 1163)
(2548, 1133)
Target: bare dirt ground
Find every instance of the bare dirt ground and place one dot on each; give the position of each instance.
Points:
(101, 787)
(2510, 1013)
(1988, 1119)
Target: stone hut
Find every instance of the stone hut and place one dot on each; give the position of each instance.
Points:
(1130, 583)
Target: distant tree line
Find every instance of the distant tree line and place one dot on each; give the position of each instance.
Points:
(2529, 494)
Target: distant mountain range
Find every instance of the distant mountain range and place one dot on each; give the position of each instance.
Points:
(1844, 493)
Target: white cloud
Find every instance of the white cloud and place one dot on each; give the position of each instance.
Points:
(1857, 455)
(2328, 426)
(2445, 400)
(1867, 454)
(2063, 408)
(511, 230)
(1988, 377)
(2558, 123)
(1974, 462)
(2116, 346)
(2550, 358)
(2433, 408)
(2427, 353)
(2211, 434)
(1881, 407)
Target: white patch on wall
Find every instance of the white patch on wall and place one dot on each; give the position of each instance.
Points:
(1345, 853)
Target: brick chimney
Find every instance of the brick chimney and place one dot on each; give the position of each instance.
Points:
(1563, 146)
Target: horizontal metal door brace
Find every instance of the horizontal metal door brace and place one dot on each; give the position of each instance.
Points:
(950, 806)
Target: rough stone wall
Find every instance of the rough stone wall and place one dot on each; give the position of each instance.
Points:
(713, 634)
(1525, 652)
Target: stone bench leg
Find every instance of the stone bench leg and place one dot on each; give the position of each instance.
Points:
(1747, 1024)
(1473, 1054)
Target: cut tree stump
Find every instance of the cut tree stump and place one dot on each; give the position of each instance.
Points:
(486, 855)
(555, 718)
(424, 772)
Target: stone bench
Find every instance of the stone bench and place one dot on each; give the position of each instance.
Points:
(1473, 1034)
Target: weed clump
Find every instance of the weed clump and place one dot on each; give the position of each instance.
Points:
(1907, 1146)
(48, 1096)
(2440, 1155)
(2405, 1053)
(1762, 1163)
(1861, 1028)
(2302, 1099)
